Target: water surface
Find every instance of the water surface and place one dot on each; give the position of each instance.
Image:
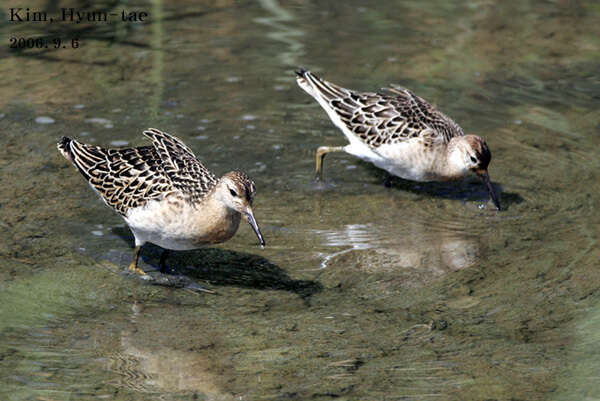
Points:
(420, 291)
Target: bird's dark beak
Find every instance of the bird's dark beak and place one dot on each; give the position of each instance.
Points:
(485, 177)
(249, 217)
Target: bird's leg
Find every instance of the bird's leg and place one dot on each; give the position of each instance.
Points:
(388, 180)
(321, 152)
(163, 264)
(134, 265)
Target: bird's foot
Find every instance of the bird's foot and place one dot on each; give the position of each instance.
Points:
(198, 288)
(388, 181)
(134, 268)
(167, 270)
(179, 281)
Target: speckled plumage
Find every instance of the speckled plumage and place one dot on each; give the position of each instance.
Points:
(399, 132)
(164, 193)
(130, 177)
(380, 119)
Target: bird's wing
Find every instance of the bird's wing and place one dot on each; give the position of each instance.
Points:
(130, 177)
(378, 118)
(124, 178)
(181, 166)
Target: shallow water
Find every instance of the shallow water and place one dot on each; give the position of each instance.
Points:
(419, 291)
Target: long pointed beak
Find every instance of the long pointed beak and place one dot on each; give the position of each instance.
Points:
(485, 177)
(249, 217)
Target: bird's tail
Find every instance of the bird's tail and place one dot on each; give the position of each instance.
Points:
(84, 157)
(316, 86)
(64, 147)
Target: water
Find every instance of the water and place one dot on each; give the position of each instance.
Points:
(363, 292)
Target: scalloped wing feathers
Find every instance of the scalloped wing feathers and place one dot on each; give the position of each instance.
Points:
(378, 119)
(130, 177)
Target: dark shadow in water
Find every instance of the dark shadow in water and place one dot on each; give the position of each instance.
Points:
(224, 267)
(125, 234)
(221, 267)
(468, 189)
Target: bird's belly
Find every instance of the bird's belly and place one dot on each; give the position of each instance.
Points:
(361, 150)
(180, 226)
(409, 160)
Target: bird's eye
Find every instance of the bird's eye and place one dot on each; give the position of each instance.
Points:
(474, 160)
(233, 193)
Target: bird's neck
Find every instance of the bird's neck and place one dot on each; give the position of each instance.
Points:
(450, 165)
(217, 221)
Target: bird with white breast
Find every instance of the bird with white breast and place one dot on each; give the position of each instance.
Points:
(399, 132)
(166, 196)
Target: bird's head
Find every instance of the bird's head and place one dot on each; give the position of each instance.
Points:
(470, 153)
(236, 190)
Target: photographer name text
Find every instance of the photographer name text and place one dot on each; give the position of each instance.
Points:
(73, 15)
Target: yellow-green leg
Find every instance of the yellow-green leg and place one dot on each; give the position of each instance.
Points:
(321, 152)
(134, 265)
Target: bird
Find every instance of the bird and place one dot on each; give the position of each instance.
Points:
(164, 193)
(399, 132)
